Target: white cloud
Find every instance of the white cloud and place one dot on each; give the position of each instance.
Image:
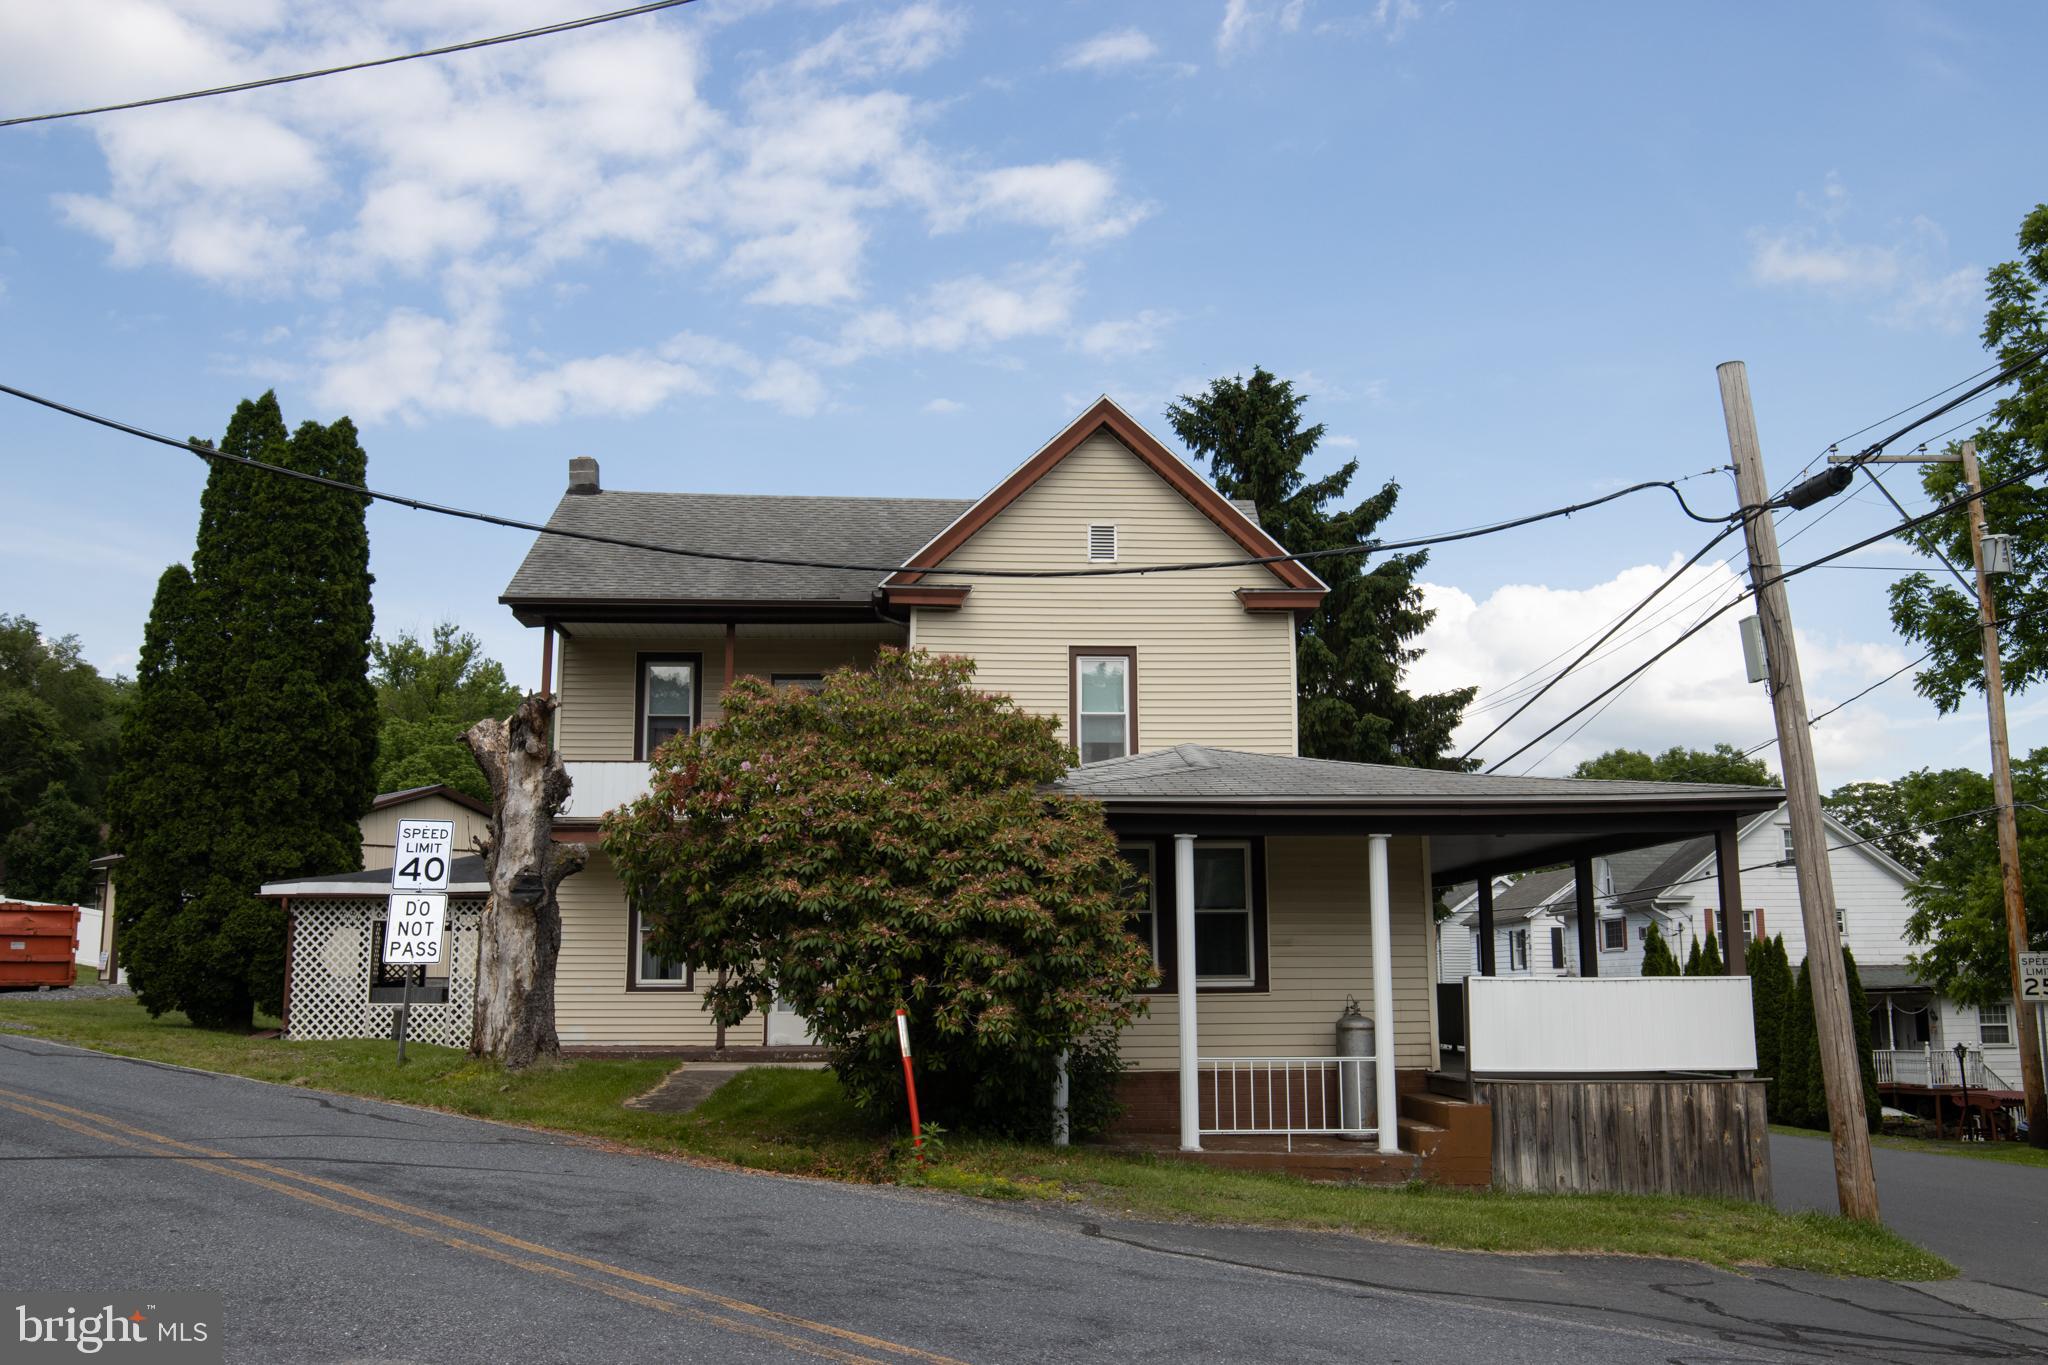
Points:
(1903, 275)
(1075, 198)
(489, 182)
(1509, 642)
(1115, 48)
(1246, 22)
(1126, 336)
(1341, 442)
(967, 312)
(944, 407)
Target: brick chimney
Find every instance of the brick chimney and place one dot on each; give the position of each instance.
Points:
(583, 474)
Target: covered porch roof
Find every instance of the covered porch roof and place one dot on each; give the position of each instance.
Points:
(1477, 823)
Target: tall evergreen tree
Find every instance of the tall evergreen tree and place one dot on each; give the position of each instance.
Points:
(1770, 982)
(1658, 959)
(1692, 960)
(1353, 649)
(259, 672)
(1798, 1058)
(1866, 1056)
(1711, 961)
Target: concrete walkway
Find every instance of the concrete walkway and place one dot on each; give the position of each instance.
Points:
(690, 1084)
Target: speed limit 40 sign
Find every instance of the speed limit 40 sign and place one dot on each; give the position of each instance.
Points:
(424, 850)
(2034, 977)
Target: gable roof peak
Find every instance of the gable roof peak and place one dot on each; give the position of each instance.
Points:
(1107, 414)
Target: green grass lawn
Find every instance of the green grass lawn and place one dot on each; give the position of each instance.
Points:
(2011, 1153)
(798, 1122)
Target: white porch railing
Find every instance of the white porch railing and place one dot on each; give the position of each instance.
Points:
(1286, 1097)
(595, 788)
(1934, 1068)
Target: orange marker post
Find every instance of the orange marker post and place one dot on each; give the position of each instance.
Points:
(910, 1085)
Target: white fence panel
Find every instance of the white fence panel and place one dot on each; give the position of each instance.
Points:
(1609, 1026)
(595, 788)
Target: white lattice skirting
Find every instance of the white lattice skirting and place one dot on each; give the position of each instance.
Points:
(332, 941)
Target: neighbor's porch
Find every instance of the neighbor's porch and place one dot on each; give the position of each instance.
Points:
(1339, 863)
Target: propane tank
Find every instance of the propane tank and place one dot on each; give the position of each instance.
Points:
(1357, 1084)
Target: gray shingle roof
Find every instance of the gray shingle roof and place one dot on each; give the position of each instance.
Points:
(1654, 869)
(1195, 772)
(1530, 892)
(849, 530)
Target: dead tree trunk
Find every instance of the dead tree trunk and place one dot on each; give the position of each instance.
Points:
(521, 933)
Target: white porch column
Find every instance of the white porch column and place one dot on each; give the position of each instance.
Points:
(1184, 982)
(1383, 993)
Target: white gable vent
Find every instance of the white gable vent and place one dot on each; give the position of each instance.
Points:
(1102, 542)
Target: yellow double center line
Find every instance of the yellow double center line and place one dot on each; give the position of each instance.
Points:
(618, 1282)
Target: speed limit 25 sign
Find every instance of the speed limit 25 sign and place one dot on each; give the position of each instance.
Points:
(2034, 977)
(424, 850)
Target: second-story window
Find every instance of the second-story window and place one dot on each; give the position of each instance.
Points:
(1103, 705)
(668, 699)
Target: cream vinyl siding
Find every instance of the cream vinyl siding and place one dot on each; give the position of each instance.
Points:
(598, 687)
(593, 1008)
(380, 827)
(1209, 672)
(1319, 934)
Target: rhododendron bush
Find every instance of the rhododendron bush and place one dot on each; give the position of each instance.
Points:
(888, 842)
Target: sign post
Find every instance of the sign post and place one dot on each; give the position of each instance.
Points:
(419, 906)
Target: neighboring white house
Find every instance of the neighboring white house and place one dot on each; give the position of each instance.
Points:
(1674, 886)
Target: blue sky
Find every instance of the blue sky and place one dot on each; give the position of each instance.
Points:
(807, 247)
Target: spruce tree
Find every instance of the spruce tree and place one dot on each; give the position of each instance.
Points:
(1711, 963)
(267, 644)
(1866, 1057)
(1769, 984)
(1352, 650)
(1658, 959)
(1799, 1056)
(1692, 960)
(164, 794)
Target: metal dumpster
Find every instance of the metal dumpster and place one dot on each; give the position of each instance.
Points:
(38, 945)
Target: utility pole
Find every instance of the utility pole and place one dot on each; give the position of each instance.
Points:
(1855, 1180)
(2008, 818)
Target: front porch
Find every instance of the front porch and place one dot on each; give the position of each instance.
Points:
(1244, 1070)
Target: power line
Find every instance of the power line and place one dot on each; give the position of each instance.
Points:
(2004, 376)
(1943, 510)
(566, 26)
(1895, 674)
(1669, 579)
(211, 455)
(2008, 372)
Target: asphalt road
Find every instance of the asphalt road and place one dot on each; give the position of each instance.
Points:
(346, 1230)
(1988, 1218)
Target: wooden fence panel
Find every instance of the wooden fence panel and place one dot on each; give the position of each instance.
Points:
(1700, 1137)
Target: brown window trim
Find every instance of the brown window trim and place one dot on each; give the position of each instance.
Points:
(633, 982)
(1076, 653)
(640, 662)
(1169, 938)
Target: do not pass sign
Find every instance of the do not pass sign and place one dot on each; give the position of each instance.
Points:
(422, 855)
(412, 932)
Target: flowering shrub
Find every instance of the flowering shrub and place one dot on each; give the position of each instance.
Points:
(887, 842)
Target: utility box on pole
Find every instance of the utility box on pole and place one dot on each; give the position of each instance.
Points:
(1855, 1178)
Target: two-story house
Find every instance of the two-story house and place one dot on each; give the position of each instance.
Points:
(1280, 886)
